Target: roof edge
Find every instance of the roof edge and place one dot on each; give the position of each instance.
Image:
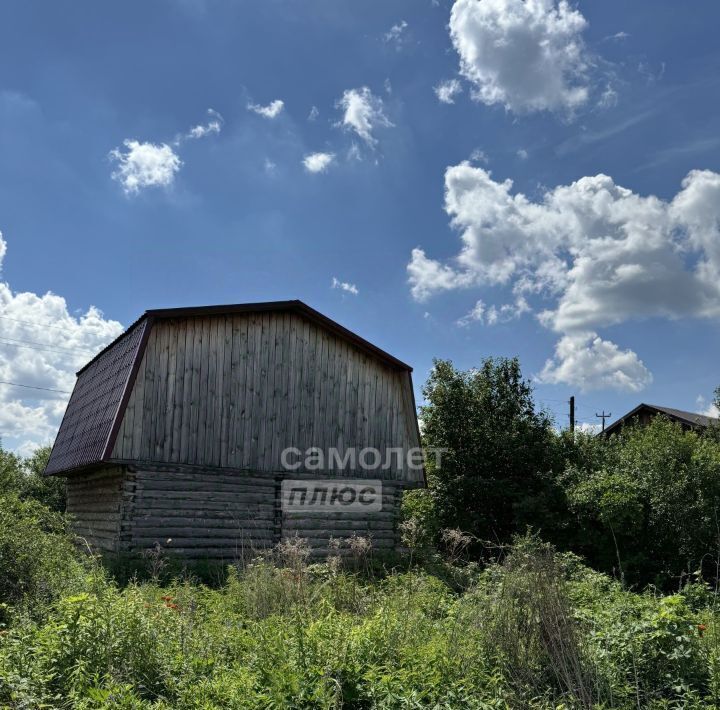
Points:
(293, 306)
(127, 391)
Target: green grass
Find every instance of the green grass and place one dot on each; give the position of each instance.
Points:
(534, 630)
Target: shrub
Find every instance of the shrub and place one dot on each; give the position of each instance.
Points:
(649, 507)
(37, 559)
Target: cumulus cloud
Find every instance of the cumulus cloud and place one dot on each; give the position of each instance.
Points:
(145, 164)
(526, 55)
(142, 165)
(344, 286)
(363, 113)
(42, 346)
(707, 408)
(597, 253)
(318, 162)
(586, 361)
(446, 91)
(272, 110)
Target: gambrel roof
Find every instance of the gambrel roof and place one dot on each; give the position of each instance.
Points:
(98, 401)
(688, 419)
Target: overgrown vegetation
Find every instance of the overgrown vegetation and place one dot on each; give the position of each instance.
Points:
(532, 629)
(542, 570)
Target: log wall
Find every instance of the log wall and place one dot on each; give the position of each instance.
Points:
(95, 502)
(211, 514)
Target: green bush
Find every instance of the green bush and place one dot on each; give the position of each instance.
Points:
(24, 478)
(648, 507)
(534, 630)
(38, 562)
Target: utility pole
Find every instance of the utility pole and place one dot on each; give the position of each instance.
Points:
(603, 416)
(572, 413)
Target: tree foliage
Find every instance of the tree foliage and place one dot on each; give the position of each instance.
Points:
(497, 447)
(24, 478)
(649, 504)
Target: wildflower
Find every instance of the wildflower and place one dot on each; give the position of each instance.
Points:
(701, 628)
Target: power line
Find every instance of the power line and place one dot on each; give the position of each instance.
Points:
(33, 387)
(43, 348)
(46, 345)
(603, 416)
(36, 325)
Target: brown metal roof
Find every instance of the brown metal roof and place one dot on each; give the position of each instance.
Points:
(95, 403)
(96, 407)
(696, 421)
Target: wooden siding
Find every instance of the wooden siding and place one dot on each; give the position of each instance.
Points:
(234, 391)
(95, 504)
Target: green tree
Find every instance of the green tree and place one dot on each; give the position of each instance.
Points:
(49, 490)
(492, 480)
(24, 478)
(649, 506)
(10, 472)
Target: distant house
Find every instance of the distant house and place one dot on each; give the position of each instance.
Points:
(644, 413)
(187, 430)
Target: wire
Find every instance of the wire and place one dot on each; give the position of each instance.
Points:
(33, 387)
(36, 325)
(46, 349)
(45, 345)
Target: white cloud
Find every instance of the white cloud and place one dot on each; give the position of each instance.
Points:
(598, 254)
(363, 113)
(143, 165)
(447, 90)
(344, 286)
(270, 166)
(314, 113)
(479, 156)
(213, 126)
(617, 37)
(492, 315)
(586, 361)
(396, 34)
(587, 428)
(608, 98)
(318, 162)
(475, 315)
(707, 408)
(272, 110)
(527, 55)
(42, 346)
(522, 154)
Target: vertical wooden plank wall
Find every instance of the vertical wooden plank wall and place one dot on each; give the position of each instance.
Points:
(234, 391)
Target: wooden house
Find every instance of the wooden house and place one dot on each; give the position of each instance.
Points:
(178, 432)
(643, 414)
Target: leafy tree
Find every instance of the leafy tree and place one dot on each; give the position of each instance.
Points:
(24, 478)
(649, 504)
(49, 490)
(498, 448)
(10, 472)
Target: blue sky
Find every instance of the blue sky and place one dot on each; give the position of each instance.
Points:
(606, 288)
